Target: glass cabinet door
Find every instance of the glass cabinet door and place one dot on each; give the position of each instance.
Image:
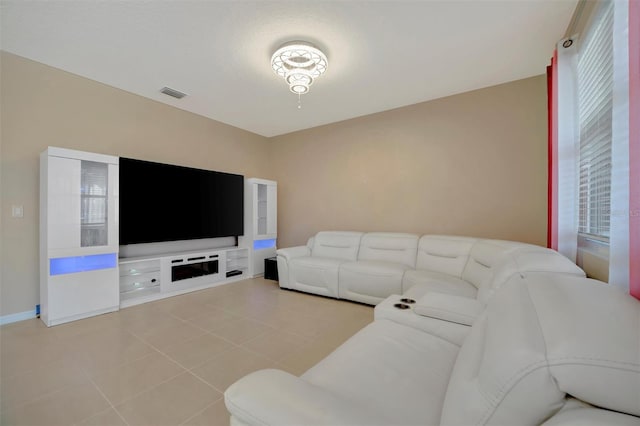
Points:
(262, 209)
(93, 207)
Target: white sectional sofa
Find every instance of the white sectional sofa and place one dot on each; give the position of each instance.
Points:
(369, 267)
(549, 349)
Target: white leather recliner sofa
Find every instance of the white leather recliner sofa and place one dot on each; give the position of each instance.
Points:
(549, 349)
(369, 267)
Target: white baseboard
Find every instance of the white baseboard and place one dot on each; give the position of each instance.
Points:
(20, 316)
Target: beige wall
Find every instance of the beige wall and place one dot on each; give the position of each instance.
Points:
(42, 106)
(470, 164)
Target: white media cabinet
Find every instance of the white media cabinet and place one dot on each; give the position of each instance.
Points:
(147, 278)
(85, 272)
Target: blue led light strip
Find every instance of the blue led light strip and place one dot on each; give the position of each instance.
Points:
(73, 264)
(263, 244)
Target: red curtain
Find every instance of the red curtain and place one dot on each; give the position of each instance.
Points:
(552, 123)
(634, 148)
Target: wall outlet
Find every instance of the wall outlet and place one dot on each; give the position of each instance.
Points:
(17, 211)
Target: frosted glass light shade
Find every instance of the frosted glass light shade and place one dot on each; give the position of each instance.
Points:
(299, 63)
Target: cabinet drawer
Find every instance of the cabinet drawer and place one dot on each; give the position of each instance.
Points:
(139, 268)
(140, 281)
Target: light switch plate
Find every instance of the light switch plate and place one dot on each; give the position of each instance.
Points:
(17, 211)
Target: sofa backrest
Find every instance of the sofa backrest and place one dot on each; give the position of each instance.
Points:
(336, 244)
(544, 337)
(443, 253)
(390, 247)
(526, 259)
(484, 256)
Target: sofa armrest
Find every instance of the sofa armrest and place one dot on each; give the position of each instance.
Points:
(275, 397)
(447, 307)
(293, 252)
(285, 255)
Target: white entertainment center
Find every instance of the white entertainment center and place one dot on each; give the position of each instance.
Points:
(152, 277)
(85, 272)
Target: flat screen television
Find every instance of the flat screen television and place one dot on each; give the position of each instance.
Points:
(164, 202)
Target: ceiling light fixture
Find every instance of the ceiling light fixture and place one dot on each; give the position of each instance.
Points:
(299, 63)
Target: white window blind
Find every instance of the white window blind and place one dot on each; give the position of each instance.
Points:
(595, 96)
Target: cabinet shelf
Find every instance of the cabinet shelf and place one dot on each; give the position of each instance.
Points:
(152, 288)
(139, 271)
(136, 272)
(140, 294)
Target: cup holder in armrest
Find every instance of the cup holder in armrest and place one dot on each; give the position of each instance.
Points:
(401, 306)
(409, 301)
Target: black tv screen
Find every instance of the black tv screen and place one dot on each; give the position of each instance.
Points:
(164, 202)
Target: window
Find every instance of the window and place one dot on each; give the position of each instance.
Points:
(595, 98)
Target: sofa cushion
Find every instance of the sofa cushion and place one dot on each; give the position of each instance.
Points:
(398, 370)
(449, 331)
(370, 281)
(417, 283)
(316, 275)
(336, 245)
(389, 247)
(275, 397)
(450, 308)
(444, 254)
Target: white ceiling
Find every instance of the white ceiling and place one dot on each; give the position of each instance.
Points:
(382, 54)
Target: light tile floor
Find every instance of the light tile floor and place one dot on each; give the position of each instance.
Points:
(165, 362)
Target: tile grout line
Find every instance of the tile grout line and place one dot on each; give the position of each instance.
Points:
(307, 339)
(186, 370)
(149, 389)
(276, 361)
(205, 332)
(110, 404)
(206, 383)
(122, 364)
(202, 411)
(50, 393)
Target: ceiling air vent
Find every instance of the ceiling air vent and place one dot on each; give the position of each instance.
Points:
(172, 92)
